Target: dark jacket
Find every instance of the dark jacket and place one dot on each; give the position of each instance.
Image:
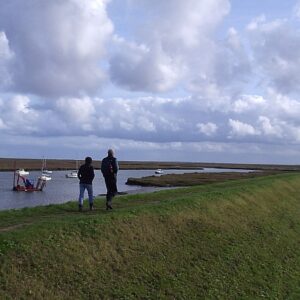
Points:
(109, 166)
(86, 174)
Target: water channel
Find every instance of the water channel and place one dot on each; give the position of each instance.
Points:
(61, 189)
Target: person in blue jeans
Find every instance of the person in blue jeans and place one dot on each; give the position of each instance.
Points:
(86, 176)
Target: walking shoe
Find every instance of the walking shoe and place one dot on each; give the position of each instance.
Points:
(79, 207)
(92, 206)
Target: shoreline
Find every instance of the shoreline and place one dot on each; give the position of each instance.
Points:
(10, 164)
(144, 190)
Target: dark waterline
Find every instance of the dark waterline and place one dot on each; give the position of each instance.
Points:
(61, 189)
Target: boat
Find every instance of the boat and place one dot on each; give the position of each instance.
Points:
(44, 167)
(159, 171)
(22, 172)
(45, 173)
(72, 174)
(23, 184)
(45, 177)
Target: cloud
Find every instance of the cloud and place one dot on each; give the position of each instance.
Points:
(154, 119)
(137, 123)
(268, 128)
(296, 10)
(58, 45)
(18, 117)
(75, 109)
(137, 67)
(283, 106)
(190, 80)
(208, 129)
(6, 56)
(165, 52)
(275, 47)
(241, 129)
(248, 103)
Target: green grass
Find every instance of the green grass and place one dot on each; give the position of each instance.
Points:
(232, 240)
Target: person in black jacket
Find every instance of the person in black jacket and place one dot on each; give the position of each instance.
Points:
(109, 169)
(86, 175)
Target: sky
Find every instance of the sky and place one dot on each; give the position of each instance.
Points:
(172, 80)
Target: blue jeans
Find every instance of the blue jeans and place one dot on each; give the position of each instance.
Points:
(82, 187)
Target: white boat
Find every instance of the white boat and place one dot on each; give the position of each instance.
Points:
(22, 172)
(45, 177)
(72, 174)
(47, 172)
(159, 171)
(44, 165)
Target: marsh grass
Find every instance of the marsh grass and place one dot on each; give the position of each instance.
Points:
(232, 240)
(191, 179)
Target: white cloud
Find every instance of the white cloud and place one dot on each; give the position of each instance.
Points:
(249, 102)
(268, 128)
(19, 104)
(275, 47)
(2, 125)
(296, 10)
(239, 128)
(153, 119)
(5, 52)
(208, 129)
(295, 132)
(18, 117)
(212, 87)
(166, 51)
(284, 106)
(58, 45)
(146, 124)
(6, 56)
(77, 110)
(136, 67)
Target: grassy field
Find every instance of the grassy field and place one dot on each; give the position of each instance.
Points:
(232, 240)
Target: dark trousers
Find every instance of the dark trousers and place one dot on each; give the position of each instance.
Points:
(111, 186)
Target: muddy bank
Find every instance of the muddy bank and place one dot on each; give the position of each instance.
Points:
(190, 179)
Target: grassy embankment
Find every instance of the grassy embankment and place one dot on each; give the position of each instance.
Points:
(233, 240)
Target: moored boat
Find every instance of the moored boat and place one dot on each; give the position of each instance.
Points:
(47, 172)
(72, 174)
(45, 177)
(22, 172)
(23, 184)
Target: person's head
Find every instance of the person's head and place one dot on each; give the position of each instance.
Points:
(110, 152)
(88, 160)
